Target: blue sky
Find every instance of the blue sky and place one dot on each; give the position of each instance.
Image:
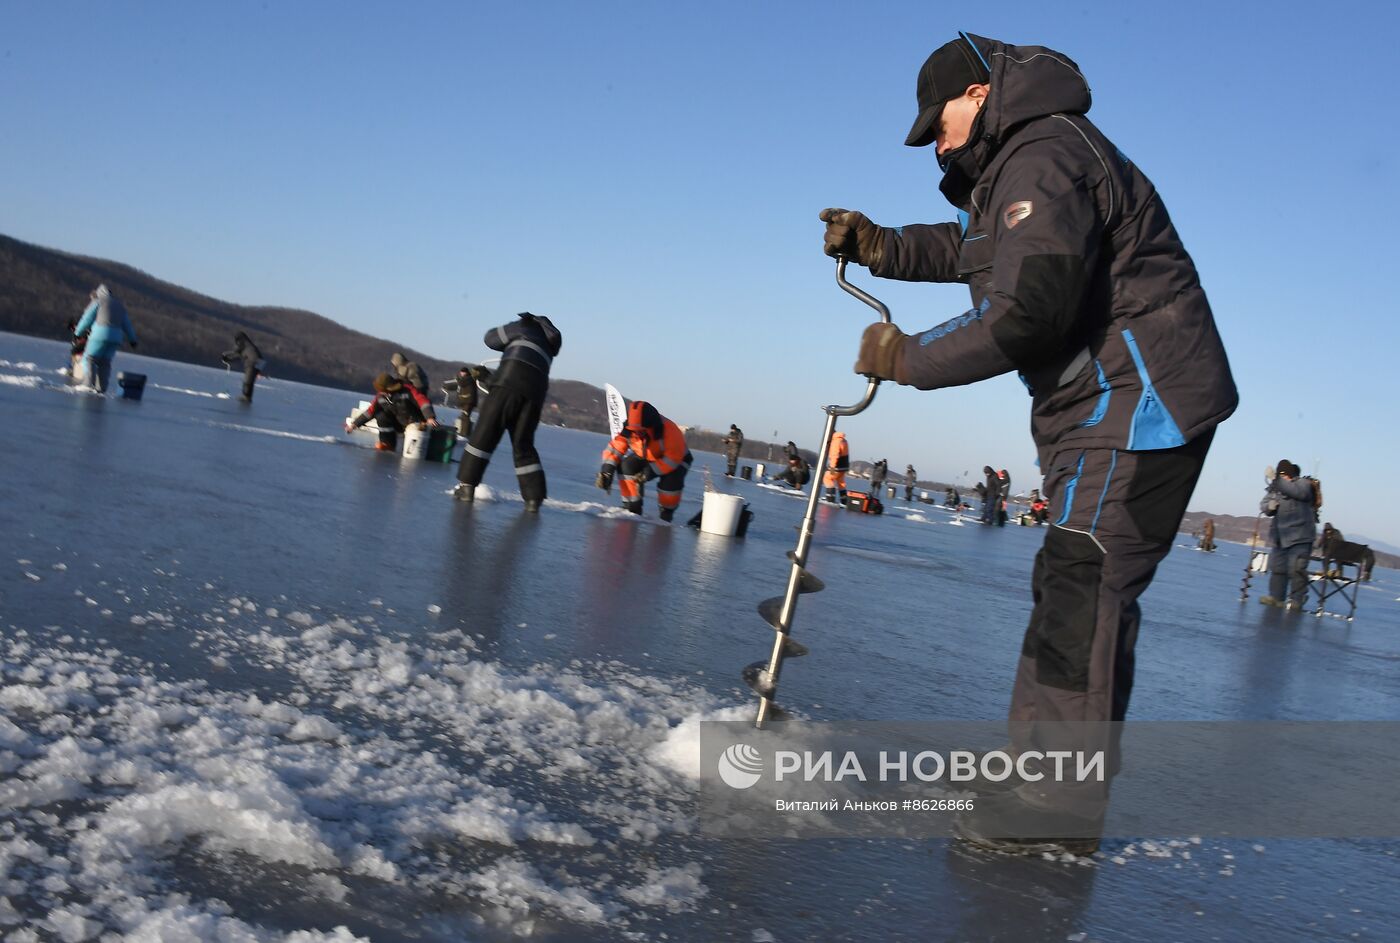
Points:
(649, 174)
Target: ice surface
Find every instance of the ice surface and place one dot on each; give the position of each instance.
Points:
(270, 738)
(176, 389)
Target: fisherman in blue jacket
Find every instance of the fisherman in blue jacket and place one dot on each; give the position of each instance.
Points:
(1080, 284)
(103, 324)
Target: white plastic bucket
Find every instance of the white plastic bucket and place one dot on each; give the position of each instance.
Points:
(759, 469)
(415, 441)
(721, 512)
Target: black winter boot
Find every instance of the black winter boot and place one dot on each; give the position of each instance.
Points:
(1009, 824)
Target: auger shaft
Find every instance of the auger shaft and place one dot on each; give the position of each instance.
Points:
(763, 676)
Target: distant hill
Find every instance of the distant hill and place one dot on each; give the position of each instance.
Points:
(1241, 530)
(41, 289)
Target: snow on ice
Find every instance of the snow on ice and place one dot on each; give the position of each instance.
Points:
(409, 765)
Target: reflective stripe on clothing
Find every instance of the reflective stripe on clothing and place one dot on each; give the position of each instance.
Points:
(521, 342)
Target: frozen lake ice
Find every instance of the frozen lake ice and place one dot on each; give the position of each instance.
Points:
(262, 682)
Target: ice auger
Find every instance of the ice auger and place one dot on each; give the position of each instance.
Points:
(1254, 552)
(778, 612)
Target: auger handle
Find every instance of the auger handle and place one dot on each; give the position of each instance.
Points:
(809, 520)
(871, 384)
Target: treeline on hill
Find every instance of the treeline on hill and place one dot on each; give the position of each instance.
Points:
(42, 289)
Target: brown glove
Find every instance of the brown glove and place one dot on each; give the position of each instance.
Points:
(852, 234)
(881, 352)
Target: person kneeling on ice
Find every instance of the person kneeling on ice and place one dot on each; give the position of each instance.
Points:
(797, 474)
(1040, 508)
(104, 324)
(75, 351)
(649, 446)
(395, 407)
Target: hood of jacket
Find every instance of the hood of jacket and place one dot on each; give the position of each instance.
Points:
(644, 419)
(1027, 82)
(548, 335)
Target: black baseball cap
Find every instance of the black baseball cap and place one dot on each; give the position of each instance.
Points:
(945, 75)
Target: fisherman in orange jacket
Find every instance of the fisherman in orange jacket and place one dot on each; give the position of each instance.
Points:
(838, 462)
(649, 446)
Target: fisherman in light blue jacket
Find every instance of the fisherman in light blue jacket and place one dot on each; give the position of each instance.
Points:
(105, 323)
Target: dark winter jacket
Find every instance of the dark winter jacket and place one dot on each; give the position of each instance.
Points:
(463, 387)
(1079, 281)
(410, 373)
(529, 346)
(1294, 517)
(405, 404)
(243, 349)
(879, 473)
(991, 486)
(733, 443)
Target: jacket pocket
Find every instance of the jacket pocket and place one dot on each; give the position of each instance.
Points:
(976, 253)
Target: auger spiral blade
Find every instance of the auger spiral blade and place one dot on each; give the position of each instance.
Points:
(772, 611)
(756, 676)
(762, 676)
(806, 581)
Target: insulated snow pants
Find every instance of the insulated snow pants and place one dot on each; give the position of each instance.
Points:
(668, 486)
(1288, 573)
(1115, 515)
(506, 410)
(835, 483)
(250, 377)
(99, 372)
(389, 428)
